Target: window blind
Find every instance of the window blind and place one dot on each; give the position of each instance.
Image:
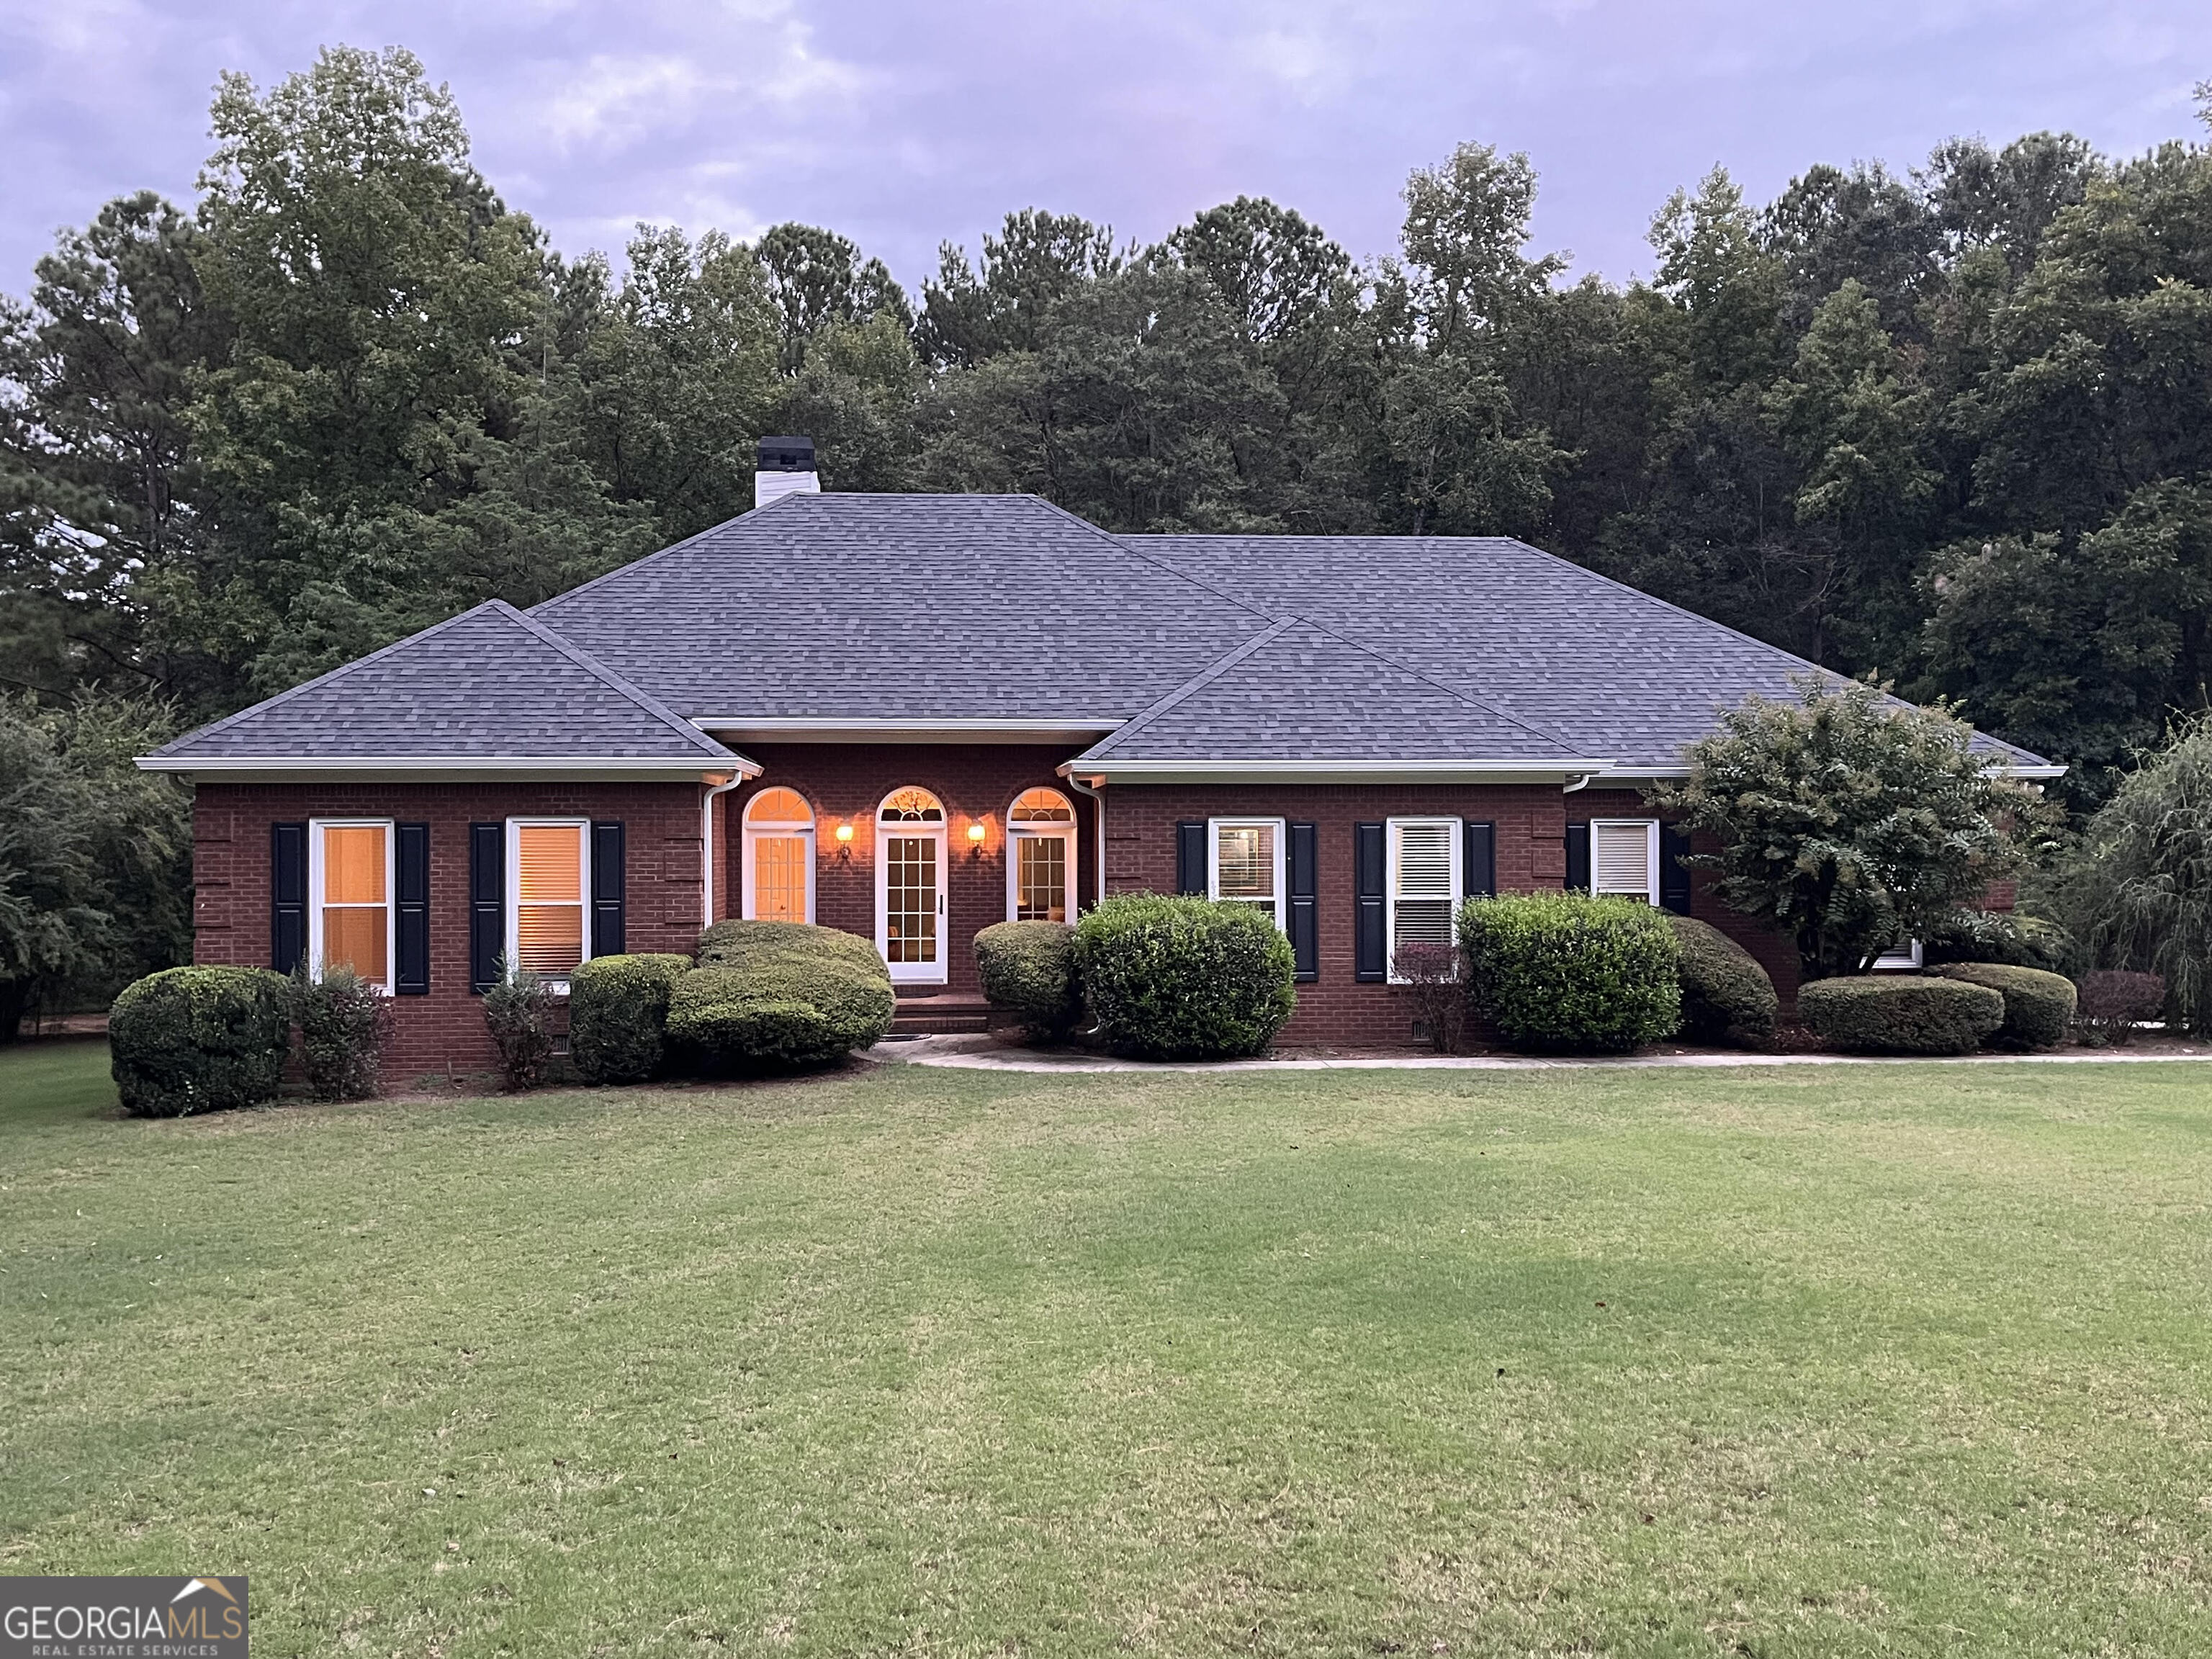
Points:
(1422, 904)
(1620, 858)
(549, 898)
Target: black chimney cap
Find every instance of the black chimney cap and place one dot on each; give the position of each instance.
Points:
(786, 454)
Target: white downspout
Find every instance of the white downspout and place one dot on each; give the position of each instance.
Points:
(1581, 783)
(707, 849)
(1078, 784)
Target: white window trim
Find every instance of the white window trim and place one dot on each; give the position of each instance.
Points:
(773, 827)
(315, 827)
(558, 986)
(1213, 828)
(1898, 959)
(1018, 833)
(1650, 828)
(1457, 842)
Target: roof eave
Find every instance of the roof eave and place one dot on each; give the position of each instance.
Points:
(847, 729)
(1130, 769)
(599, 769)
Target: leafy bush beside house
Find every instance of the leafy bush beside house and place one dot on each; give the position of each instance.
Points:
(618, 1016)
(518, 1012)
(1028, 972)
(2024, 941)
(1566, 972)
(1434, 980)
(1727, 997)
(2038, 1006)
(343, 1021)
(2112, 1001)
(1901, 1014)
(1184, 978)
(190, 1040)
(778, 995)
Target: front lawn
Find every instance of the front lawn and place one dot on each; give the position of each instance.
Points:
(1799, 1361)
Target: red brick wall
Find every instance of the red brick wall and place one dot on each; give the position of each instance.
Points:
(444, 1030)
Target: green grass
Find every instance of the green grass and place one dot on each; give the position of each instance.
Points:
(1799, 1361)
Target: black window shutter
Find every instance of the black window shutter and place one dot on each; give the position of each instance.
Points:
(1579, 858)
(1306, 908)
(411, 870)
(1191, 859)
(288, 895)
(1370, 866)
(1478, 870)
(607, 887)
(487, 904)
(1674, 875)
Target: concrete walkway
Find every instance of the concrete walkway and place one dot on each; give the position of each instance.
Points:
(976, 1053)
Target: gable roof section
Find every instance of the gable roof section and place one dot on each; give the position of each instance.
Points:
(904, 607)
(1300, 697)
(489, 685)
(1610, 670)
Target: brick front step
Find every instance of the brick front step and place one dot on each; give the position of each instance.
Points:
(945, 1011)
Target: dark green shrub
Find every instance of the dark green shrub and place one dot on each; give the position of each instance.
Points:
(1184, 978)
(772, 995)
(618, 1016)
(199, 1040)
(517, 1012)
(1726, 996)
(343, 1021)
(1028, 969)
(1565, 972)
(2039, 1006)
(2000, 936)
(1901, 1014)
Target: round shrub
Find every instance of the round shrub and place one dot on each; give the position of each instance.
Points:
(1184, 978)
(1726, 996)
(1901, 1014)
(199, 1040)
(618, 1016)
(2039, 1006)
(771, 995)
(1028, 969)
(1565, 972)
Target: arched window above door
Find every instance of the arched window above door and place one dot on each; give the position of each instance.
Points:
(1042, 806)
(780, 807)
(910, 805)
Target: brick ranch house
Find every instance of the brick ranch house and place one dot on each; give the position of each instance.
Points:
(912, 716)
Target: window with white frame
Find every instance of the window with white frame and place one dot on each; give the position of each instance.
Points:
(1425, 883)
(779, 853)
(350, 910)
(1624, 857)
(1245, 863)
(549, 882)
(1041, 874)
(1898, 958)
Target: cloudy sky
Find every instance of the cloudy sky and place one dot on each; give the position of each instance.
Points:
(906, 125)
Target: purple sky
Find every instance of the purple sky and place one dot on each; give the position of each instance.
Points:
(905, 125)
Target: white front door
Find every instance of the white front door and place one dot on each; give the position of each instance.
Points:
(910, 901)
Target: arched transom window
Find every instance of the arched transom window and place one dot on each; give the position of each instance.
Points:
(779, 806)
(911, 805)
(1043, 806)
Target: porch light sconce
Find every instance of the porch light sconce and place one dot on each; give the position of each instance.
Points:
(844, 834)
(975, 832)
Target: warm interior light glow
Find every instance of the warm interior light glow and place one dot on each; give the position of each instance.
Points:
(975, 832)
(844, 832)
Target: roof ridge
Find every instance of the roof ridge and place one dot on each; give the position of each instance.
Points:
(323, 679)
(1192, 686)
(1121, 544)
(592, 666)
(661, 553)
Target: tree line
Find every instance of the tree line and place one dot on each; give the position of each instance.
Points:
(1947, 427)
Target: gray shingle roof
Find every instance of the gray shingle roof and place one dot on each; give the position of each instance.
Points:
(1298, 693)
(489, 683)
(903, 606)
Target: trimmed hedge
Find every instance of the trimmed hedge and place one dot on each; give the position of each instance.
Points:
(1726, 996)
(1565, 972)
(771, 995)
(1184, 978)
(1028, 969)
(2038, 1006)
(1901, 1014)
(190, 1040)
(618, 1016)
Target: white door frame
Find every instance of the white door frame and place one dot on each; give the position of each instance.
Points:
(910, 973)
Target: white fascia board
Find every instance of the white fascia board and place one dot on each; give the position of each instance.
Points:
(2033, 772)
(847, 729)
(1378, 771)
(607, 770)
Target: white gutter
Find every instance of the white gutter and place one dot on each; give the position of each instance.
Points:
(1083, 788)
(706, 850)
(1291, 771)
(640, 768)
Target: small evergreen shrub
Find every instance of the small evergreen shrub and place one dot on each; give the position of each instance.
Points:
(618, 1016)
(190, 1040)
(343, 1021)
(2038, 1006)
(518, 1011)
(1436, 986)
(1184, 978)
(1565, 972)
(776, 995)
(1028, 969)
(1901, 1014)
(1726, 996)
(2112, 1002)
(2000, 936)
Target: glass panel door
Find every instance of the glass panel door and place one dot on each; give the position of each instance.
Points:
(910, 903)
(1040, 877)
